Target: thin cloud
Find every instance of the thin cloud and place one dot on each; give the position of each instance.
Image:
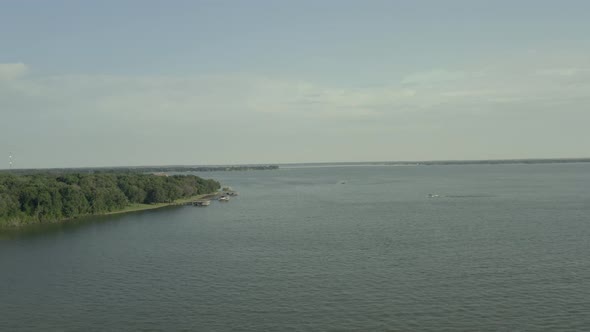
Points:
(10, 71)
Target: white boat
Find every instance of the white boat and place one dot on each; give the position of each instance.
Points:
(223, 198)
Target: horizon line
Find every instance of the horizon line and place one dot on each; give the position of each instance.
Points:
(404, 162)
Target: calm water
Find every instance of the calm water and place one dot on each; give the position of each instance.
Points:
(505, 247)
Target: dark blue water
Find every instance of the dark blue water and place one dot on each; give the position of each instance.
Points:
(503, 247)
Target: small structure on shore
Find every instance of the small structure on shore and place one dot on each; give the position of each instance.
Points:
(199, 202)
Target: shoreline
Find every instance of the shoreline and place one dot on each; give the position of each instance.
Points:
(143, 207)
(129, 209)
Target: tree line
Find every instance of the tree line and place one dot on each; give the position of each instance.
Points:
(38, 198)
(141, 169)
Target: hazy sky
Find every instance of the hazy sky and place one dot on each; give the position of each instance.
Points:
(99, 83)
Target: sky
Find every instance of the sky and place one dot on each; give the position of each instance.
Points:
(116, 82)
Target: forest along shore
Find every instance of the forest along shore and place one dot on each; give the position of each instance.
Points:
(49, 198)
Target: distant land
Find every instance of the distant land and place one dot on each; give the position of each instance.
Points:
(251, 167)
(445, 162)
(504, 161)
(141, 169)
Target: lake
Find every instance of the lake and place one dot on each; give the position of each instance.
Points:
(359, 248)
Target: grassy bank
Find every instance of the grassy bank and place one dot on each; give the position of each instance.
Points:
(141, 207)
